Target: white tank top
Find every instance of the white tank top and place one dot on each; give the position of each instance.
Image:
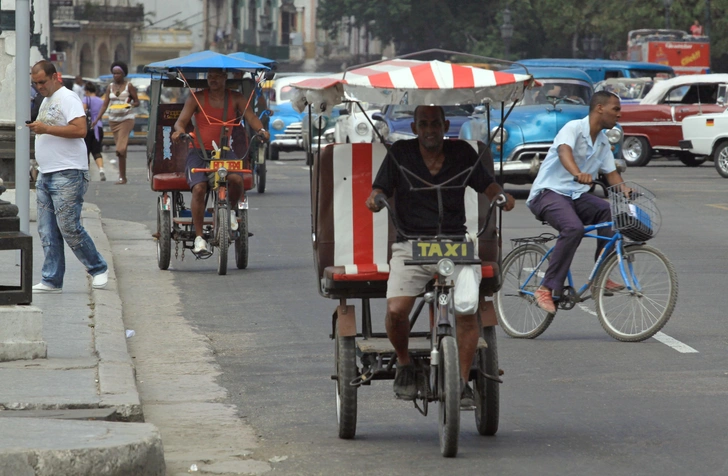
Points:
(118, 115)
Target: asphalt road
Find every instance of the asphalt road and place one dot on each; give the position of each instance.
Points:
(573, 402)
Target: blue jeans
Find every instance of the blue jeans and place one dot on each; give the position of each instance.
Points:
(60, 199)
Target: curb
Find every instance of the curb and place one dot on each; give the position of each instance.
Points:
(116, 374)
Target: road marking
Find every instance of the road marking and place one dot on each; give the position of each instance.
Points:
(660, 337)
(674, 343)
(717, 205)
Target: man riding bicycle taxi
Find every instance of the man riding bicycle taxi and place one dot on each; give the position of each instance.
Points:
(211, 113)
(559, 195)
(433, 160)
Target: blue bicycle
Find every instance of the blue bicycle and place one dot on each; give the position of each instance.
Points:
(643, 283)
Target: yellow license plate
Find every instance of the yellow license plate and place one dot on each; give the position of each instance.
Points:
(427, 250)
(230, 165)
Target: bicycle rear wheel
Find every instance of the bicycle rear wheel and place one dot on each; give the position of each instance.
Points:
(633, 316)
(486, 390)
(517, 313)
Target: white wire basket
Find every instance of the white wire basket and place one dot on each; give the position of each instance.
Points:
(634, 211)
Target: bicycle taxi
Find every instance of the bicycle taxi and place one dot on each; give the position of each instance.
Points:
(352, 245)
(166, 161)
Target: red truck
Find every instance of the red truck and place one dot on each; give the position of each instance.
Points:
(687, 54)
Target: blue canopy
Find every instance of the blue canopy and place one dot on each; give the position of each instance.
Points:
(204, 60)
(250, 57)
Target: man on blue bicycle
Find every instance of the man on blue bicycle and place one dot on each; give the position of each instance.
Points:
(559, 195)
(435, 161)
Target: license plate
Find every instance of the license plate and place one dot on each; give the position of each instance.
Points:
(428, 250)
(230, 165)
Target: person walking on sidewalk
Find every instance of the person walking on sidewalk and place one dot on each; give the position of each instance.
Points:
(62, 182)
(120, 97)
(559, 195)
(95, 135)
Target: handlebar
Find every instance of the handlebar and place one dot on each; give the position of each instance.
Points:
(380, 200)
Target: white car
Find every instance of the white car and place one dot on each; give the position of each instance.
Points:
(352, 124)
(707, 135)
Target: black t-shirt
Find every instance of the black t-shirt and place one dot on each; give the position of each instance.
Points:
(417, 211)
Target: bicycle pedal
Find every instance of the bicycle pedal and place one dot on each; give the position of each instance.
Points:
(250, 234)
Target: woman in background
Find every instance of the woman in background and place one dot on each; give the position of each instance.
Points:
(92, 104)
(120, 97)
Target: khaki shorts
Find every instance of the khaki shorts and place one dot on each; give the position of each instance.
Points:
(411, 280)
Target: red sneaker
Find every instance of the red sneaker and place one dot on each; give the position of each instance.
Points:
(544, 300)
(610, 288)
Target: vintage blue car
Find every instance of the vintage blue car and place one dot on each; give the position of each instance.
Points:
(561, 95)
(394, 122)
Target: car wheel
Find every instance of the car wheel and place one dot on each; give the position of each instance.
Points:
(636, 151)
(274, 154)
(690, 160)
(720, 157)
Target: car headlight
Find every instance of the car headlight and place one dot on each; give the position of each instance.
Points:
(278, 124)
(318, 122)
(614, 135)
(445, 267)
(499, 135)
(395, 136)
(362, 128)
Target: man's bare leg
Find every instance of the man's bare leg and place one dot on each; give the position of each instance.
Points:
(198, 207)
(398, 327)
(467, 335)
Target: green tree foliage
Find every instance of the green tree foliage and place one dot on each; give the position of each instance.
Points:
(541, 28)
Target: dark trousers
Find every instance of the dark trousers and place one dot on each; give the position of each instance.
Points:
(569, 218)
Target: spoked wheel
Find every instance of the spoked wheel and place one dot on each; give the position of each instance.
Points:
(449, 407)
(720, 157)
(260, 168)
(164, 236)
(487, 391)
(241, 242)
(345, 354)
(636, 315)
(222, 230)
(517, 313)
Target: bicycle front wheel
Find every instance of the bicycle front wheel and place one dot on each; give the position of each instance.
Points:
(449, 405)
(517, 312)
(637, 314)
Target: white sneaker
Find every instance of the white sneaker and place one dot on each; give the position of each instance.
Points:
(233, 221)
(200, 246)
(100, 280)
(41, 288)
(112, 161)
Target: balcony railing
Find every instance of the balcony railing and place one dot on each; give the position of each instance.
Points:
(97, 13)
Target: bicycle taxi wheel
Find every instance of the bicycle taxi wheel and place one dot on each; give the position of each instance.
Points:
(164, 236)
(486, 389)
(449, 397)
(346, 394)
(222, 238)
(241, 242)
(261, 168)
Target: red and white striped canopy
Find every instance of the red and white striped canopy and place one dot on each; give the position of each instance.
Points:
(402, 81)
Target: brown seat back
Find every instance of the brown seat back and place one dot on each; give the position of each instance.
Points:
(168, 156)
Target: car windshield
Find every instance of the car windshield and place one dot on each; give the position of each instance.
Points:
(402, 112)
(286, 94)
(568, 92)
(647, 73)
(626, 88)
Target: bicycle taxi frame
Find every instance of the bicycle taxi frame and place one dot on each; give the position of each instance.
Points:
(352, 245)
(166, 162)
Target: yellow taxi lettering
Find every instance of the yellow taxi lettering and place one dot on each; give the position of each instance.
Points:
(216, 164)
(435, 250)
(423, 248)
(452, 249)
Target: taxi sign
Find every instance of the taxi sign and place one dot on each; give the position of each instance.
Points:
(230, 165)
(422, 250)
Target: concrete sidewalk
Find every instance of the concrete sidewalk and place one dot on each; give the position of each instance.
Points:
(78, 411)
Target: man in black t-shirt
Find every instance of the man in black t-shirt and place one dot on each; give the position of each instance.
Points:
(434, 161)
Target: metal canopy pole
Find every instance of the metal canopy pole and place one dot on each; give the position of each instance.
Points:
(22, 112)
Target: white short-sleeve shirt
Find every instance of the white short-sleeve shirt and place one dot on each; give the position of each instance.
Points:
(55, 153)
(591, 158)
